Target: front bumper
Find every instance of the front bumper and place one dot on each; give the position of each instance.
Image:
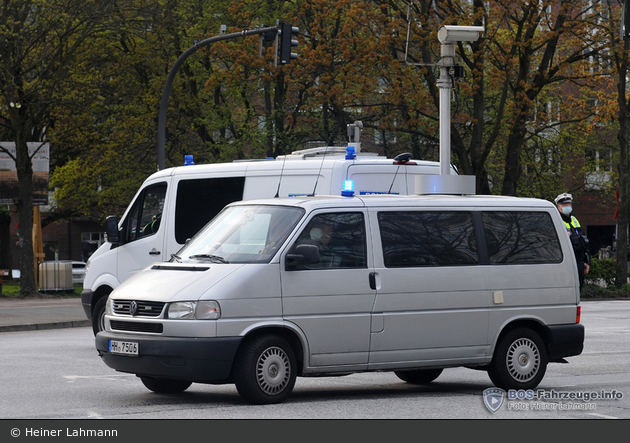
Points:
(565, 341)
(86, 301)
(201, 360)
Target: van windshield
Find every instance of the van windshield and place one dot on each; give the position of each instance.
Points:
(242, 234)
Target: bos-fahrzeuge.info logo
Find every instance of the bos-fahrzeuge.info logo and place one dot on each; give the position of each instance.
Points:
(542, 399)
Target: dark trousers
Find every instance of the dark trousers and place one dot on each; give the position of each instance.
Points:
(580, 267)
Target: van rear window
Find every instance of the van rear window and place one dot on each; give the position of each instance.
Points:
(424, 238)
(519, 237)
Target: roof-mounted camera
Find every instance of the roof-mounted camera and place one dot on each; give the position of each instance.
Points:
(451, 34)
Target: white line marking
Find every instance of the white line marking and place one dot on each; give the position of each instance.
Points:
(604, 416)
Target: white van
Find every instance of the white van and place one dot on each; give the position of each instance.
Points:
(277, 288)
(173, 204)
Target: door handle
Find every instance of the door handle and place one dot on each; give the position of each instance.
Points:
(373, 280)
(154, 252)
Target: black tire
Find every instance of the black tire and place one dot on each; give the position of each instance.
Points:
(419, 376)
(98, 315)
(165, 385)
(265, 370)
(519, 361)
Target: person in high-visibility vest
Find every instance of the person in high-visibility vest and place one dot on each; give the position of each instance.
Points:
(579, 240)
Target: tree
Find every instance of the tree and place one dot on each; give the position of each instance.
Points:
(617, 54)
(508, 128)
(39, 41)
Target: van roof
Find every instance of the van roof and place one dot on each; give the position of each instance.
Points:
(434, 200)
(297, 160)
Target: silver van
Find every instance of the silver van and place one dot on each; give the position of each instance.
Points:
(275, 288)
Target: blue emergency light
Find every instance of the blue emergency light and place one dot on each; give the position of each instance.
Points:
(348, 188)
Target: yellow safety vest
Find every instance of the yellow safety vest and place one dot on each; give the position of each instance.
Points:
(574, 223)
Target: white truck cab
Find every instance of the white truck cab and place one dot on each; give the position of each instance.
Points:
(272, 289)
(173, 204)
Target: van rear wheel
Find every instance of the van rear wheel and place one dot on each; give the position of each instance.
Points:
(520, 360)
(165, 385)
(265, 370)
(420, 376)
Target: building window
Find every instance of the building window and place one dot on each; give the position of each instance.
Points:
(90, 242)
(600, 165)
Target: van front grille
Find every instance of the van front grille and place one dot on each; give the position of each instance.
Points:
(142, 308)
(132, 326)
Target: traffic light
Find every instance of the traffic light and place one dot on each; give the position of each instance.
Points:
(287, 42)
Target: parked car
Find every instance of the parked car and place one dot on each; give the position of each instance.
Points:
(78, 271)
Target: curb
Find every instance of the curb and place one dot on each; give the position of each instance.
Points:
(43, 326)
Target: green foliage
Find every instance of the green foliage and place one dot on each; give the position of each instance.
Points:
(601, 271)
(512, 117)
(600, 281)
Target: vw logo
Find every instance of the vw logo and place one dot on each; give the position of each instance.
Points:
(133, 308)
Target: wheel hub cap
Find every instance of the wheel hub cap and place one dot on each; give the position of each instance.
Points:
(523, 360)
(273, 370)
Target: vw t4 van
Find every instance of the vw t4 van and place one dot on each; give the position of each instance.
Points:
(278, 288)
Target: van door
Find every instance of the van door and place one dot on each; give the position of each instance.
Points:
(331, 300)
(143, 232)
(432, 299)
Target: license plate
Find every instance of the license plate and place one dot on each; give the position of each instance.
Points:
(123, 347)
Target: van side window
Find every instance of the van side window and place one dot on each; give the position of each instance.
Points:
(146, 214)
(340, 238)
(198, 201)
(427, 238)
(519, 237)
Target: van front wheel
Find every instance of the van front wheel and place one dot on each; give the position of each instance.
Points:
(420, 376)
(265, 370)
(520, 360)
(98, 315)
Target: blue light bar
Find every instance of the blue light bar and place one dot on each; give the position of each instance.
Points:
(348, 188)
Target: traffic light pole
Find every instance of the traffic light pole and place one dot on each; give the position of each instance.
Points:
(161, 154)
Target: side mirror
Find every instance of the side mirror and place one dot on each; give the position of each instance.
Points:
(302, 255)
(111, 228)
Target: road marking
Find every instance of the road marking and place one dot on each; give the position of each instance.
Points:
(72, 378)
(604, 416)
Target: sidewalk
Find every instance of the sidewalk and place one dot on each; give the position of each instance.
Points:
(30, 314)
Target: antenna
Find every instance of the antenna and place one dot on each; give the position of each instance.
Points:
(319, 172)
(280, 179)
(408, 35)
(400, 159)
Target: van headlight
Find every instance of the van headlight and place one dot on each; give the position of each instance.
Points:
(191, 310)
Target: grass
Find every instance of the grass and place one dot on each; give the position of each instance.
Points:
(12, 289)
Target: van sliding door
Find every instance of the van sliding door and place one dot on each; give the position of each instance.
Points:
(432, 298)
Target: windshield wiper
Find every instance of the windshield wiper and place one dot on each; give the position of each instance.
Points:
(176, 257)
(214, 258)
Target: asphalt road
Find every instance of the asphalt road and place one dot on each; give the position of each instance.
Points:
(56, 374)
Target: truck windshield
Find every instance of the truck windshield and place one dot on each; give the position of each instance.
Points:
(242, 234)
